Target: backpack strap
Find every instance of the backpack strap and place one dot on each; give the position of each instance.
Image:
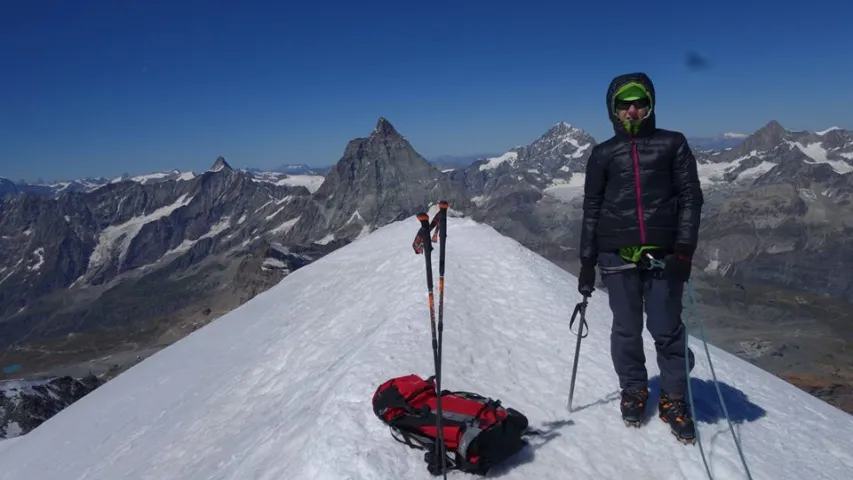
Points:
(410, 439)
(419, 442)
(469, 434)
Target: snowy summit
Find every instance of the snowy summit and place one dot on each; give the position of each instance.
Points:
(281, 387)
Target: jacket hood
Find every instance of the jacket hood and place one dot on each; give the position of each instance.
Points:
(648, 124)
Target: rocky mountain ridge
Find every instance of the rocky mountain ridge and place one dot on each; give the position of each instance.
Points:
(24, 405)
(282, 175)
(65, 258)
(771, 145)
(551, 160)
(85, 263)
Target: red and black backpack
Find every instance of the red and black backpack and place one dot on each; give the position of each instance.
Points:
(478, 432)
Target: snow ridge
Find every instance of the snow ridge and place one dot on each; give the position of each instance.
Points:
(494, 162)
(824, 132)
(281, 386)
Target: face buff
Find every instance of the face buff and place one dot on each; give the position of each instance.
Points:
(636, 94)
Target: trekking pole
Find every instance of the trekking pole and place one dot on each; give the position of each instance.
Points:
(580, 308)
(439, 225)
(422, 242)
(442, 241)
(441, 216)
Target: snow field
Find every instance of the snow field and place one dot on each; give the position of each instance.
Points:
(281, 386)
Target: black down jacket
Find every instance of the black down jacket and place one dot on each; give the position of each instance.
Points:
(642, 189)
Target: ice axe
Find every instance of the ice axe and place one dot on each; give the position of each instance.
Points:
(580, 309)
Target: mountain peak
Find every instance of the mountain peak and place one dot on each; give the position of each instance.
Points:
(764, 139)
(563, 128)
(560, 134)
(381, 178)
(549, 161)
(772, 127)
(220, 164)
(384, 128)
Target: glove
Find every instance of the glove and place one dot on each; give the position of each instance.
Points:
(586, 277)
(678, 264)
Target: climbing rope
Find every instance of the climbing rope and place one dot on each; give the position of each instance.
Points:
(695, 317)
(655, 263)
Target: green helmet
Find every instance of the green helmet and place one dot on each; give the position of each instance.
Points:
(631, 92)
(632, 87)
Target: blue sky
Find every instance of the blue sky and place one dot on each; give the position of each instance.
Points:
(110, 87)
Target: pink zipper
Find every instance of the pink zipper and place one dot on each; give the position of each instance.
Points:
(639, 191)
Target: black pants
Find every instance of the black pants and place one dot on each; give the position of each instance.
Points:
(630, 292)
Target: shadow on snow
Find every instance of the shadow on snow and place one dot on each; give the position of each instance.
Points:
(548, 432)
(708, 408)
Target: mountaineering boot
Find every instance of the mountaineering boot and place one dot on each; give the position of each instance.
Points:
(673, 410)
(633, 405)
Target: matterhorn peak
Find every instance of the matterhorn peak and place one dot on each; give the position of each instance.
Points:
(220, 164)
(384, 128)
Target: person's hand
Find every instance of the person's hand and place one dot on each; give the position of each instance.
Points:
(586, 278)
(678, 266)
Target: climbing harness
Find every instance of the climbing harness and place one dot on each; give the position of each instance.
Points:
(648, 262)
(644, 263)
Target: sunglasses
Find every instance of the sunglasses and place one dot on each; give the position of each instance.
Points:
(626, 104)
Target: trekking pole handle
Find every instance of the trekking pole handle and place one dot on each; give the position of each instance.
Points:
(580, 308)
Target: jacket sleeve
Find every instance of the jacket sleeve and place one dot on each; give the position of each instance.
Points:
(593, 196)
(688, 191)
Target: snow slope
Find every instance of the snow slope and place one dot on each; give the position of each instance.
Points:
(281, 387)
(311, 182)
(568, 190)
